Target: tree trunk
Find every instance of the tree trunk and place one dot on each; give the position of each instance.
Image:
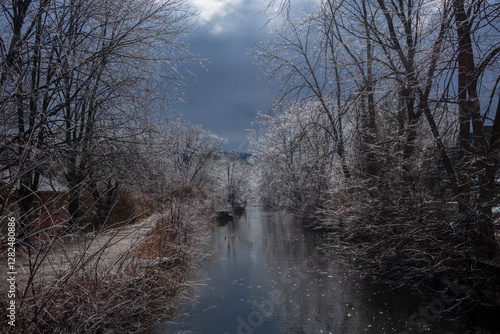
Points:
(477, 216)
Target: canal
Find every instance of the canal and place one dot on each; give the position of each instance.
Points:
(268, 274)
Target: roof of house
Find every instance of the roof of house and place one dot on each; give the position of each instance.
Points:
(46, 184)
(51, 185)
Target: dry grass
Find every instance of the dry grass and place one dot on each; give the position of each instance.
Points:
(176, 235)
(403, 236)
(112, 281)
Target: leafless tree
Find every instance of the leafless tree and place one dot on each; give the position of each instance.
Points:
(413, 78)
(294, 153)
(479, 155)
(238, 172)
(85, 88)
(303, 65)
(73, 72)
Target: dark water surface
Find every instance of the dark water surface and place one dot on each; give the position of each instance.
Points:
(269, 275)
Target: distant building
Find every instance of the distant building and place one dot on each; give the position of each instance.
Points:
(50, 205)
(50, 202)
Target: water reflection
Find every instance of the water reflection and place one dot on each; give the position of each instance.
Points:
(268, 275)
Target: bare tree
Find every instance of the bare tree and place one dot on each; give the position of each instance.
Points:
(237, 172)
(414, 79)
(294, 153)
(82, 87)
(73, 72)
(479, 158)
(304, 71)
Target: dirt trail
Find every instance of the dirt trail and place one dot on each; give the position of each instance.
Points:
(105, 249)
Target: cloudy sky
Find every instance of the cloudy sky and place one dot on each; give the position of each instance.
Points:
(224, 97)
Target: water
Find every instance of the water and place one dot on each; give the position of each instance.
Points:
(269, 275)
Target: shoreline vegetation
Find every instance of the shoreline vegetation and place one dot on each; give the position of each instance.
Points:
(118, 279)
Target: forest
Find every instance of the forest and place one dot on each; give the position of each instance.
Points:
(384, 135)
(386, 128)
(90, 145)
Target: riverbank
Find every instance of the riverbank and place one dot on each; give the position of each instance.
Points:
(111, 280)
(402, 238)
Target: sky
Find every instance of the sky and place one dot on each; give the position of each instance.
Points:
(226, 95)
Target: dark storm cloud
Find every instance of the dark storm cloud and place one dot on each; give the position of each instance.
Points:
(224, 97)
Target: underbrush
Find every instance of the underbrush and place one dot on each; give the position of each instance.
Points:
(112, 281)
(177, 235)
(401, 236)
(98, 302)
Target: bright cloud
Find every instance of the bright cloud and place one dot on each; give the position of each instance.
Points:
(214, 11)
